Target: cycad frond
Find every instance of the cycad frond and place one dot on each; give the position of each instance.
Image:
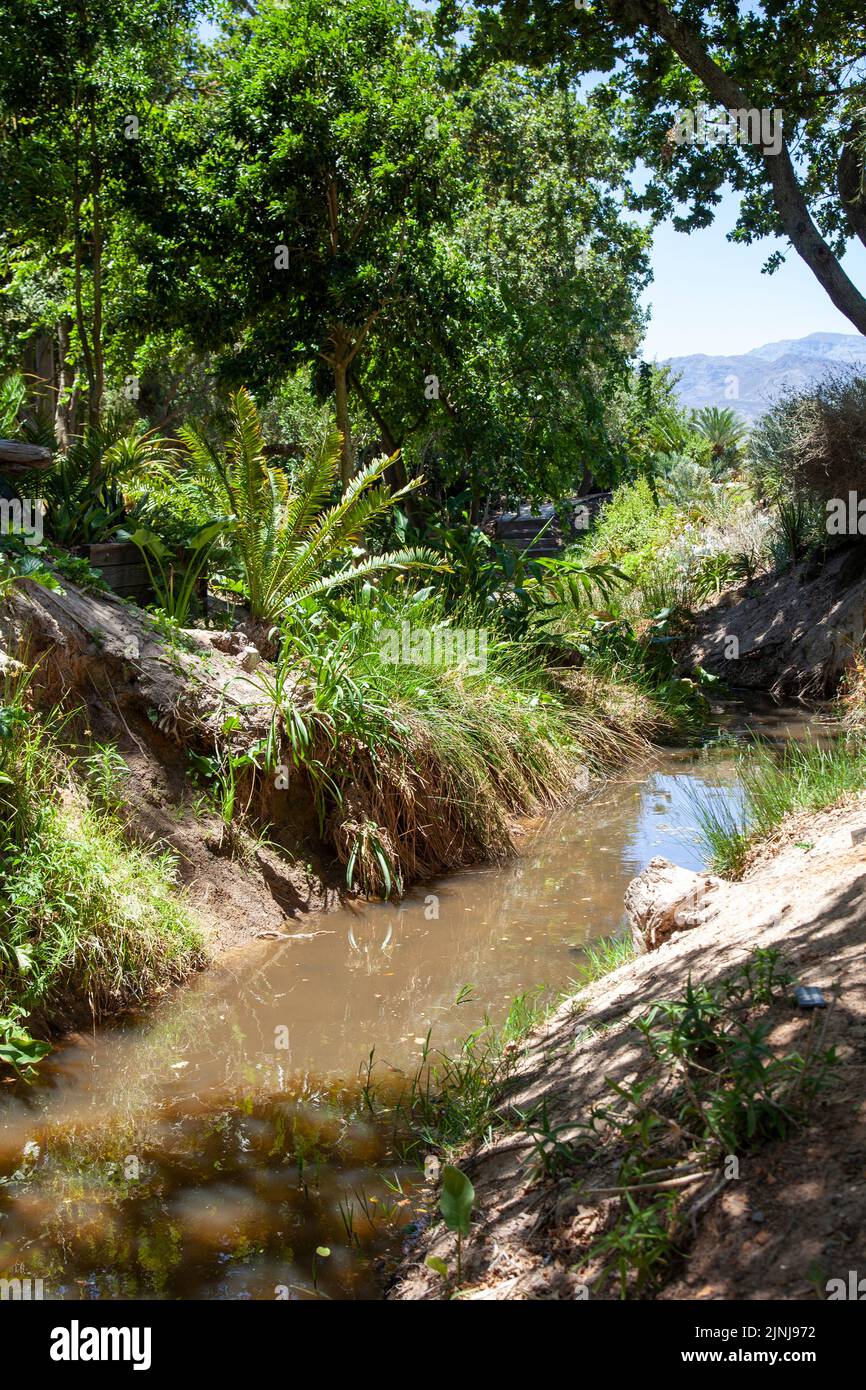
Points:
(396, 560)
(288, 540)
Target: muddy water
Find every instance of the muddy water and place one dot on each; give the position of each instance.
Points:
(211, 1148)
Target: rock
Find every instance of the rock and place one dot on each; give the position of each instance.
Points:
(249, 658)
(665, 899)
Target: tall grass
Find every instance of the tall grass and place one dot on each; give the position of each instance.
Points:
(602, 957)
(88, 923)
(803, 777)
(427, 765)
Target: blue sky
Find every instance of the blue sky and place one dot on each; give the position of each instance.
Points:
(709, 295)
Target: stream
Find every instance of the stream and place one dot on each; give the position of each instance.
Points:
(211, 1146)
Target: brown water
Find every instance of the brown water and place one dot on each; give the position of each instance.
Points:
(206, 1149)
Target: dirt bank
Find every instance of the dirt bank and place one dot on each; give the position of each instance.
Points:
(794, 632)
(796, 1215)
(157, 702)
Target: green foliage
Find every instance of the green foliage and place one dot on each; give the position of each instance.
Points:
(522, 595)
(632, 529)
(804, 777)
(17, 1049)
(224, 770)
(455, 1205)
(106, 773)
(602, 957)
(684, 483)
(88, 924)
(175, 579)
(13, 393)
(808, 448)
(84, 490)
(289, 542)
(660, 63)
(724, 431)
(456, 1199)
(72, 174)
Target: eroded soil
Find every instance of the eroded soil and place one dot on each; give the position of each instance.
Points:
(796, 1215)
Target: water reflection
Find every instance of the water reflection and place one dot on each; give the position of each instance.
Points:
(209, 1148)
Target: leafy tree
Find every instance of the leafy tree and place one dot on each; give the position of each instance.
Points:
(666, 56)
(497, 377)
(305, 186)
(75, 82)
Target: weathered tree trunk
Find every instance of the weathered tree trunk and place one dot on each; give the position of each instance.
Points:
(788, 197)
(39, 367)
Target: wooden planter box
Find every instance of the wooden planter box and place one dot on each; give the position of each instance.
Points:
(122, 567)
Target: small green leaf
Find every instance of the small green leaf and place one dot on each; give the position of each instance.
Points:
(456, 1200)
(438, 1266)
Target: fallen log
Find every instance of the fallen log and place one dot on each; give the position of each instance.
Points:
(16, 455)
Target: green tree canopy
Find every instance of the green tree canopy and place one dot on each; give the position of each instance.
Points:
(792, 56)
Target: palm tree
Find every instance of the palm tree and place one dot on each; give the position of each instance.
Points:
(723, 429)
(290, 543)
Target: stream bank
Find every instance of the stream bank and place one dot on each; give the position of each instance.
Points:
(206, 1147)
(263, 792)
(793, 1214)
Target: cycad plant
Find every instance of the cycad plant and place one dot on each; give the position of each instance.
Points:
(291, 544)
(84, 491)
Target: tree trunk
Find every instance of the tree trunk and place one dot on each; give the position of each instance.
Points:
(788, 197)
(341, 390)
(80, 320)
(39, 367)
(94, 404)
(64, 410)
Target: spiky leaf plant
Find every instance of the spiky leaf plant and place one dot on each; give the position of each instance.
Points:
(291, 544)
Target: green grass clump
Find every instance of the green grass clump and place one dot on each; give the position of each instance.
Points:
(88, 923)
(603, 957)
(804, 777)
(426, 766)
(456, 1098)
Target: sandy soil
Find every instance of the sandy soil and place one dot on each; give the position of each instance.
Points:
(795, 631)
(796, 1216)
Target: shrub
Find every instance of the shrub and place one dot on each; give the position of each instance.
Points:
(631, 528)
(812, 443)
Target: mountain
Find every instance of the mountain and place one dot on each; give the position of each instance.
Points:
(750, 382)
